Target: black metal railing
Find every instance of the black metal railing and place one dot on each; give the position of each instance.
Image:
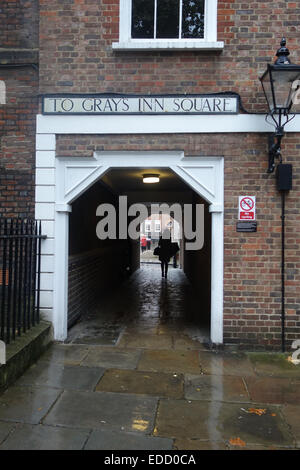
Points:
(20, 266)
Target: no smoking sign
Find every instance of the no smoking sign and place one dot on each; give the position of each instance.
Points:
(246, 207)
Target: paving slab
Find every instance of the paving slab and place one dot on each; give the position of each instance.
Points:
(93, 410)
(274, 365)
(41, 437)
(103, 439)
(112, 358)
(273, 390)
(26, 404)
(291, 414)
(95, 334)
(140, 328)
(145, 341)
(223, 363)
(182, 342)
(170, 326)
(60, 376)
(216, 388)
(139, 382)
(158, 386)
(170, 361)
(66, 354)
(240, 445)
(221, 422)
(5, 429)
(197, 444)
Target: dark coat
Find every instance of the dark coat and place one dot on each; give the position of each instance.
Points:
(165, 252)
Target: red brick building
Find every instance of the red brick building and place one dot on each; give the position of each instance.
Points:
(105, 53)
(18, 108)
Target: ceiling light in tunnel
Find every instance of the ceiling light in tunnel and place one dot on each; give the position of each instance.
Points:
(151, 178)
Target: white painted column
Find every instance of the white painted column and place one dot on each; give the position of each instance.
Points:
(61, 270)
(44, 211)
(217, 273)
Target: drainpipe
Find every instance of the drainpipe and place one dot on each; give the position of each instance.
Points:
(284, 184)
(282, 270)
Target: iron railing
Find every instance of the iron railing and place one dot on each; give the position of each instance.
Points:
(20, 266)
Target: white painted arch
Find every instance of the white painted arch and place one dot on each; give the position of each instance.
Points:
(60, 180)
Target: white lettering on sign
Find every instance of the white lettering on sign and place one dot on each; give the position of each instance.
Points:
(247, 208)
(201, 104)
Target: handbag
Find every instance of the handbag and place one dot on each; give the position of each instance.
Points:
(156, 251)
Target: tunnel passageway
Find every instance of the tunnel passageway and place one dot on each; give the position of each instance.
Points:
(145, 307)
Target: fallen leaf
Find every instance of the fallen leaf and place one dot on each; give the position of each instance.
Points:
(237, 442)
(273, 414)
(293, 361)
(257, 411)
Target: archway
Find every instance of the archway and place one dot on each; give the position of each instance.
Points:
(205, 175)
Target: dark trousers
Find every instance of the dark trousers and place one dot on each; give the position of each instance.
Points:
(164, 268)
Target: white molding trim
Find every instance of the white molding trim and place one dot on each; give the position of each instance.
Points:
(137, 124)
(198, 172)
(167, 44)
(2, 92)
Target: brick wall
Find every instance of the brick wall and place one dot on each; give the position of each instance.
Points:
(95, 266)
(19, 21)
(18, 49)
(76, 56)
(92, 275)
(197, 266)
(76, 53)
(17, 141)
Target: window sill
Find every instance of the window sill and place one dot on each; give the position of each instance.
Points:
(175, 45)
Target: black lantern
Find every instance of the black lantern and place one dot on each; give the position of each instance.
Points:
(280, 83)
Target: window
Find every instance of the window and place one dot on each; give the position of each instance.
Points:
(157, 226)
(168, 24)
(167, 19)
(148, 226)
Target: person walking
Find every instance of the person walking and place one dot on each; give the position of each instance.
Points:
(148, 242)
(165, 251)
(143, 243)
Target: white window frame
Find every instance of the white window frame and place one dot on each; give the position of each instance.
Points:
(2, 92)
(209, 42)
(147, 226)
(157, 227)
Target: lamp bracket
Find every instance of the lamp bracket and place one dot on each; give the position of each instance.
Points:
(275, 148)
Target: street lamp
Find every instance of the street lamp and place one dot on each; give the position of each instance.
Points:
(280, 83)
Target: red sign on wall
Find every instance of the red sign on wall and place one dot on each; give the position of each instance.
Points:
(246, 207)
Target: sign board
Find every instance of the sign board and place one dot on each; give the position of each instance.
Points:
(247, 208)
(246, 226)
(147, 104)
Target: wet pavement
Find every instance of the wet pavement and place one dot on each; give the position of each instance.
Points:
(137, 374)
